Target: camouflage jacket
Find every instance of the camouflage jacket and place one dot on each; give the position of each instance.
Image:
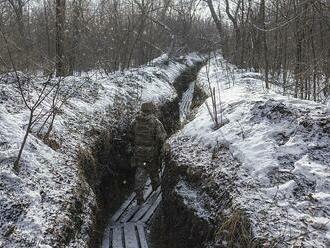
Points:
(147, 135)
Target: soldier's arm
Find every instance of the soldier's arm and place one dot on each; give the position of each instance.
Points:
(161, 137)
(161, 133)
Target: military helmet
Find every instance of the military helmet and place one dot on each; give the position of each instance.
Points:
(148, 107)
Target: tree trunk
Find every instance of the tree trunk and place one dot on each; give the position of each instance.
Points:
(48, 65)
(75, 36)
(60, 22)
(215, 16)
(233, 19)
(28, 128)
(264, 41)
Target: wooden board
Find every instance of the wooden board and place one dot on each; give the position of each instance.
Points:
(129, 213)
(117, 237)
(106, 238)
(146, 206)
(147, 192)
(122, 208)
(151, 210)
(142, 236)
(126, 229)
(131, 240)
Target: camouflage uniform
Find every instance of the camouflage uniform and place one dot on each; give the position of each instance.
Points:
(147, 136)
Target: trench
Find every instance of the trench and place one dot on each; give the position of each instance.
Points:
(190, 96)
(115, 179)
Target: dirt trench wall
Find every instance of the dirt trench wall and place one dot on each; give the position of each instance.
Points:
(197, 204)
(106, 165)
(183, 227)
(197, 211)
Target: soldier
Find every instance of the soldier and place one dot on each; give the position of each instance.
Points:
(147, 137)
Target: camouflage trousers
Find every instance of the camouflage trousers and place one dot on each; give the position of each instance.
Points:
(141, 176)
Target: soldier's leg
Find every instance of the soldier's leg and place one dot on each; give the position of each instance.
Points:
(154, 176)
(140, 181)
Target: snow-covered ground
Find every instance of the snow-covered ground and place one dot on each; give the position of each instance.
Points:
(48, 203)
(283, 147)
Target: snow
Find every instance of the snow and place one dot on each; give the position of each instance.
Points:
(185, 103)
(193, 199)
(48, 204)
(282, 144)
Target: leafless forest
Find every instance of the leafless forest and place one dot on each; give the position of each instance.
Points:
(287, 40)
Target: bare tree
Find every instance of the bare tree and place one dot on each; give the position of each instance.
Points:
(60, 22)
(264, 39)
(24, 88)
(291, 32)
(18, 7)
(214, 16)
(216, 103)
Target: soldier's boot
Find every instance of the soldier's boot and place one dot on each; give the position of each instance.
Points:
(139, 198)
(155, 181)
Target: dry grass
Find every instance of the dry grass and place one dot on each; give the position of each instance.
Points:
(87, 166)
(236, 231)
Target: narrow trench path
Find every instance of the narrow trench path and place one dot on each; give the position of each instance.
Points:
(127, 226)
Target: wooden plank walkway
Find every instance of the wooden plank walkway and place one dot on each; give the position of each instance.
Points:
(127, 226)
